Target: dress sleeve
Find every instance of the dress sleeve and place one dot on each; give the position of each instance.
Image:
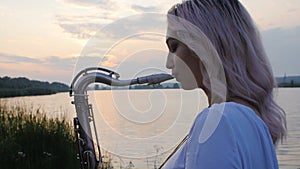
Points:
(212, 144)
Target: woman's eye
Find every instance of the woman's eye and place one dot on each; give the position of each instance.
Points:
(173, 48)
(172, 44)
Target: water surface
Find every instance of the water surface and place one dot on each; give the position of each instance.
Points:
(145, 125)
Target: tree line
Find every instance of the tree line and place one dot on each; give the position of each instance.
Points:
(21, 86)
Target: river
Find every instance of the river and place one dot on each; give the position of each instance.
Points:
(143, 126)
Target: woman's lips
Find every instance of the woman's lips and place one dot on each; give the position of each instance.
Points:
(175, 76)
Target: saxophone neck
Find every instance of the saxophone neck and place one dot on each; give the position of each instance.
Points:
(108, 77)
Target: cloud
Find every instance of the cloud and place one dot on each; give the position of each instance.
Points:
(51, 68)
(282, 47)
(9, 58)
(121, 28)
(54, 68)
(90, 3)
(103, 17)
(84, 26)
(55, 62)
(109, 13)
(293, 10)
(81, 30)
(136, 24)
(110, 61)
(51, 60)
(139, 8)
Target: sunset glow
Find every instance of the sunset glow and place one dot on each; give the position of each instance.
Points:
(42, 39)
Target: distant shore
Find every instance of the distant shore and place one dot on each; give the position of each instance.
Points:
(288, 85)
(16, 87)
(288, 81)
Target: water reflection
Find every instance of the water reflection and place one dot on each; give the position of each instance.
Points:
(113, 109)
(288, 153)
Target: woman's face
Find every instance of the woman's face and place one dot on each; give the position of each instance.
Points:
(185, 64)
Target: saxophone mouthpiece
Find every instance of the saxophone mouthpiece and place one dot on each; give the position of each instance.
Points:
(154, 79)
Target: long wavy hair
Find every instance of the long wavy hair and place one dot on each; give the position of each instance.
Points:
(249, 77)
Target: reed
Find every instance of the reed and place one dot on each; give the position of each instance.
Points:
(30, 140)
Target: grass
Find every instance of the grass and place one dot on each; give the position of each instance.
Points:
(30, 140)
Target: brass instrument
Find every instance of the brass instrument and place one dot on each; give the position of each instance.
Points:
(84, 121)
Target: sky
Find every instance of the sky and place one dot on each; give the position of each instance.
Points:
(50, 40)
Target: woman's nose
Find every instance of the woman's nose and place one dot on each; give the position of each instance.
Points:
(170, 61)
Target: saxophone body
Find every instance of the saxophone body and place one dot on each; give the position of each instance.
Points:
(89, 152)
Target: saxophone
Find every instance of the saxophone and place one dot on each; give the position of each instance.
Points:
(89, 153)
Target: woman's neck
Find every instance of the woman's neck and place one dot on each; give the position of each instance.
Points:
(245, 103)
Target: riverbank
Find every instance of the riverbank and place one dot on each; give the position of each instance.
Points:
(30, 140)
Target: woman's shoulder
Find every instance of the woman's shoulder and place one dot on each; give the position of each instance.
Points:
(229, 117)
(228, 111)
(227, 132)
(210, 120)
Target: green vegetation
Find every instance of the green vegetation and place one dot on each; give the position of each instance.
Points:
(29, 140)
(11, 87)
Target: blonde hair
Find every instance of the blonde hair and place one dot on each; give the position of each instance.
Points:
(249, 77)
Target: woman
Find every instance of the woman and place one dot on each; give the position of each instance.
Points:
(215, 46)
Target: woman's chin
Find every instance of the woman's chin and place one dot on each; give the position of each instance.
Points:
(188, 86)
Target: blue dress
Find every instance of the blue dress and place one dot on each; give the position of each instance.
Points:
(226, 136)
